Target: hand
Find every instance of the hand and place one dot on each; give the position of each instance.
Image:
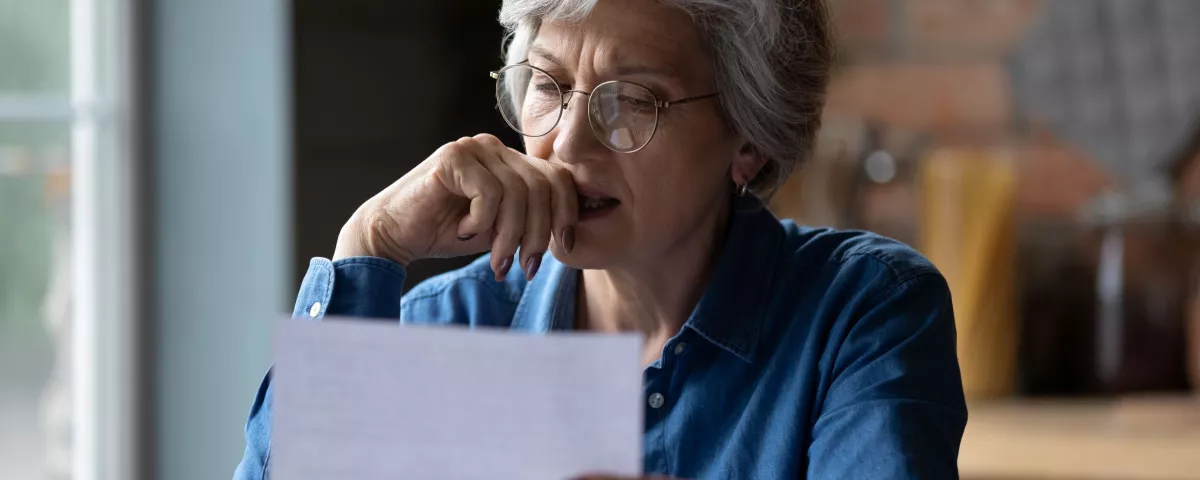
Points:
(470, 196)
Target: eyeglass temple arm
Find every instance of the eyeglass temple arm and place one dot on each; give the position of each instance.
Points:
(686, 100)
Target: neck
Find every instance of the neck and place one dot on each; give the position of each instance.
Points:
(656, 294)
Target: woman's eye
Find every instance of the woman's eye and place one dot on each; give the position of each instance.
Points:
(636, 102)
(547, 90)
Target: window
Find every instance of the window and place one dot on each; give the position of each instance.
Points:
(34, 239)
(63, 164)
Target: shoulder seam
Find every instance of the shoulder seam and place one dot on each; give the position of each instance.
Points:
(902, 282)
(887, 261)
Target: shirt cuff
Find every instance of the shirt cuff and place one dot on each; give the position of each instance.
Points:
(351, 287)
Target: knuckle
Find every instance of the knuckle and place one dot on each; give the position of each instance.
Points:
(487, 139)
(537, 232)
(453, 150)
(491, 190)
(514, 236)
(561, 176)
(517, 188)
(509, 239)
(465, 144)
(452, 164)
(539, 188)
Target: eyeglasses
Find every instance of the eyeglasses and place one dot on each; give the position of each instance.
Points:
(624, 115)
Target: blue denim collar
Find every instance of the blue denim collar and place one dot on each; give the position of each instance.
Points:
(733, 307)
(731, 311)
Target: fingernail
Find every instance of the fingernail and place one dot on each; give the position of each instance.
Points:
(463, 238)
(504, 267)
(568, 238)
(531, 266)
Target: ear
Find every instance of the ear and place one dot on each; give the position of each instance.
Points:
(747, 162)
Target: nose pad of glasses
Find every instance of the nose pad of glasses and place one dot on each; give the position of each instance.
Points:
(567, 97)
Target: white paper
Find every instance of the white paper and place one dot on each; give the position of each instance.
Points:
(372, 400)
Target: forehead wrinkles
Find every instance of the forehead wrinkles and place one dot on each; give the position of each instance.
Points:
(584, 50)
(569, 46)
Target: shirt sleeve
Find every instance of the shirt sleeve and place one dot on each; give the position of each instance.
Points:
(895, 407)
(351, 287)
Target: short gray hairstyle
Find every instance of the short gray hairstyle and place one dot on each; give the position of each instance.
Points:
(772, 61)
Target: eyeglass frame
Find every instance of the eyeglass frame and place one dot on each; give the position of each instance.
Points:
(658, 104)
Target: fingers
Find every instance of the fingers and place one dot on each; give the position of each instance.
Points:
(520, 200)
(509, 226)
(552, 203)
(565, 202)
(538, 216)
(463, 174)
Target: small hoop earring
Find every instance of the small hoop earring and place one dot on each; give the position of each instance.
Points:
(743, 188)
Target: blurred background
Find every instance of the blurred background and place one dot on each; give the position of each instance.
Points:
(167, 167)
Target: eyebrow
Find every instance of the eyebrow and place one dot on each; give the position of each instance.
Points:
(542, 52)
(620, 70)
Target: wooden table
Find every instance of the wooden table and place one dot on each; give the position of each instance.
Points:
(1131, 438)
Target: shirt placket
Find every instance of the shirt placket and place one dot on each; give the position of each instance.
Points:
(659, 397)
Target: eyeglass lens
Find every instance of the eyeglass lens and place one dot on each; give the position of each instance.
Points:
(623, 115)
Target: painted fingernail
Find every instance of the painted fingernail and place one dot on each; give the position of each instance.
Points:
(568, 238)
(463, 238)
(531, 266)
(504, 268)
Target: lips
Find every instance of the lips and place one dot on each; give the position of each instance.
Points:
(593, 203)
(589, 202)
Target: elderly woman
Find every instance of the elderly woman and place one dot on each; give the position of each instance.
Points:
(651, 128)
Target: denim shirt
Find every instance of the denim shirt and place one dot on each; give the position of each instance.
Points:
(812, 353)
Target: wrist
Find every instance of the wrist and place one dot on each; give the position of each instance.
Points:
(359, 240)
(350, 244)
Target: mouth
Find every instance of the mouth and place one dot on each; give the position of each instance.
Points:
(595, 205)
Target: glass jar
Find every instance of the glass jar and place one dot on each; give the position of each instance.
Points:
(1104, 303)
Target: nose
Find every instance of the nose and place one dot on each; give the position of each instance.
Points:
(574, 141)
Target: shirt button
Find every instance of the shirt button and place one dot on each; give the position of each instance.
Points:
(315, 310)
(679, 348)
(656, 400)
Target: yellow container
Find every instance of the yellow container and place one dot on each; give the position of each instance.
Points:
(966, 229)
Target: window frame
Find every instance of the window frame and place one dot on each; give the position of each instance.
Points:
(104, 226)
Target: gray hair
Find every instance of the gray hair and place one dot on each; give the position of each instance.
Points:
(771, 58)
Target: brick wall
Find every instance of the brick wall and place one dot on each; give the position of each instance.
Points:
(936, 69)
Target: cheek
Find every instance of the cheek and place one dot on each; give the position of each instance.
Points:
(675, 188)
